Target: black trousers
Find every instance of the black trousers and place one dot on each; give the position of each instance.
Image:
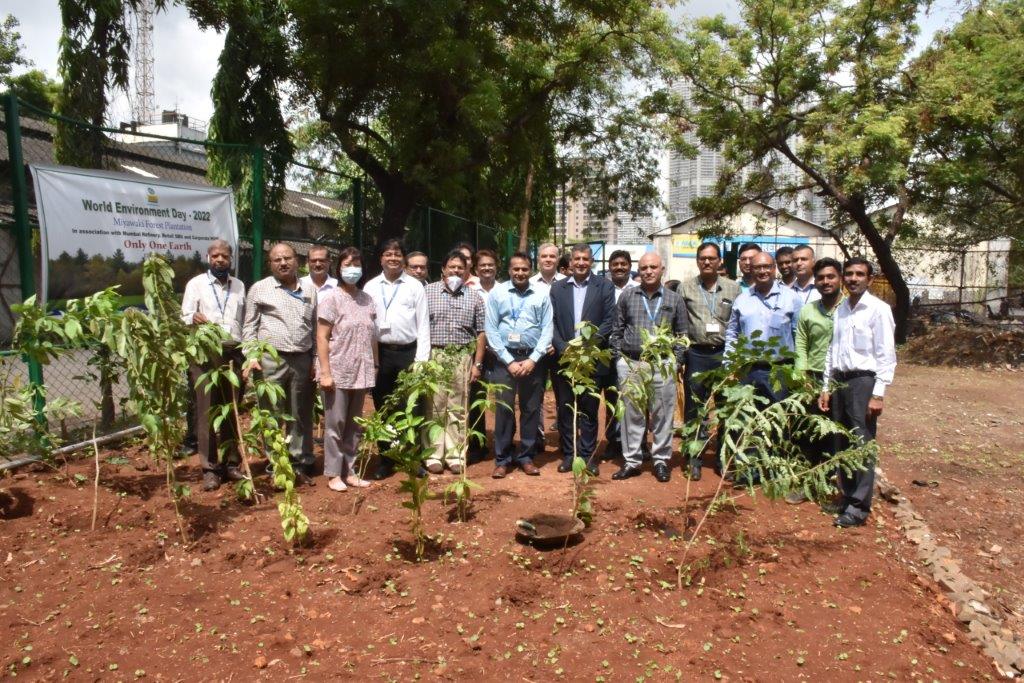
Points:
(530, 390)
(208, 440)
(612, 433)
(697, 393)
(849, 407)
(814, 449)
(392, 361)
(586, 419)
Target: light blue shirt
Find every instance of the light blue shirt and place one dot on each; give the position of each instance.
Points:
(774, 314)
(579, 295)
(527, 313)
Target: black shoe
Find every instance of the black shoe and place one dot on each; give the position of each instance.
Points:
(384, 470)
(661, 472)
(696, 469)
(234, 474)
(846, 520)
(302, 478)
(565, 466)
(211, 481)
(626, 473)
(593, 470)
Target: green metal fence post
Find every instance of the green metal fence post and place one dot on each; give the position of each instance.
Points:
(22, 232)
(357, 212)
(257, 214)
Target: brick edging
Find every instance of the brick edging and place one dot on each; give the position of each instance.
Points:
(984, 626)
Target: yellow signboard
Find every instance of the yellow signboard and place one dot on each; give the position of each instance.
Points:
(685, 245)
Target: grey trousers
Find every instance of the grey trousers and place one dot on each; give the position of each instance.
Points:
(634, 419)
(849, 407)
(341, 433)
(292, 373)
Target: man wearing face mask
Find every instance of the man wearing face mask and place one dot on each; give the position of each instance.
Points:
(215, 297)
(456, 331)
(319, 262)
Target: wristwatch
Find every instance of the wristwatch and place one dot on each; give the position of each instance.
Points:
(877, 398)
(478, 366)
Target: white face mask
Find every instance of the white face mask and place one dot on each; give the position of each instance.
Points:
(351, 274)
(454, 282)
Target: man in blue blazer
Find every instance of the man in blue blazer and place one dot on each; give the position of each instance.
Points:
(583, 297)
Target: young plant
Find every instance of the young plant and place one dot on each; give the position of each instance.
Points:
(579, 363)
(462, 488)
(760, 440)
(156, 348)
(399, 422)
(21, 429)
(657, 355)
(264, 433)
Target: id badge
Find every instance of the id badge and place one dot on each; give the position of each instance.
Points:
(514, 337)
(713, 328)
(384, 327)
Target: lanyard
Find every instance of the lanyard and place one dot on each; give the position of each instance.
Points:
(514, 312)
(227, 295)
(647, 304)
(394, 293)
(709, 301)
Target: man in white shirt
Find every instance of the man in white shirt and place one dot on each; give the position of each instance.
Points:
(547, 274)
(803, 272)
(862, 360)
(403, 327)
(547, 265)
(215, 297)
(319, 262)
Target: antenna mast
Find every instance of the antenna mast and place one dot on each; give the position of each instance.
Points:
(144, 107)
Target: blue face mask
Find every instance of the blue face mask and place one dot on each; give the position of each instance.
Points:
(351, 274)
(220, 273)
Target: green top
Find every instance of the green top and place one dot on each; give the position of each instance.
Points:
(704, 308)
(813, 336)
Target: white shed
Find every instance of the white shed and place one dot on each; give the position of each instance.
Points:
(756, 222)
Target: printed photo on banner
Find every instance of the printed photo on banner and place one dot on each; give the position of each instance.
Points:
(97, 227)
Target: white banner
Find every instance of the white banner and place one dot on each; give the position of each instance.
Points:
(97, 227)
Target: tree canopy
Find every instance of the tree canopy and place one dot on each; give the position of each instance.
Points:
(969, 108)
(818, 85)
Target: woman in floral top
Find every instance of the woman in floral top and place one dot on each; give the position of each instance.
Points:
(347, 354)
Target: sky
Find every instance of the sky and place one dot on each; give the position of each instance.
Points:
(186, 57)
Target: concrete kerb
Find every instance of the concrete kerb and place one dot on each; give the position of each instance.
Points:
(969, 600)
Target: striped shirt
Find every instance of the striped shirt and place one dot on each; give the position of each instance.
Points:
(636, 310)
(283, 317)
(455, 317)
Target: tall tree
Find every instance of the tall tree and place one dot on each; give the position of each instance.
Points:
(818, 84)
(94, 57)
(10, 48)
(969, 107)
(246, 95)
(424, 97)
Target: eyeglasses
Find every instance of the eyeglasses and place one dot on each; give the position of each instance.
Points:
(707, 259)
(762, 267)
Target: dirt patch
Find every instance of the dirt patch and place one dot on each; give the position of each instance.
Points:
(959, 434)
(966, 346)
(774, 592)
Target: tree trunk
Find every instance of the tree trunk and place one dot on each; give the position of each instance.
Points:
(399, 201)
(524, 217)
(891, 270)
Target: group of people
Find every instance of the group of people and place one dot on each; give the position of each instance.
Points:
(351, 336)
